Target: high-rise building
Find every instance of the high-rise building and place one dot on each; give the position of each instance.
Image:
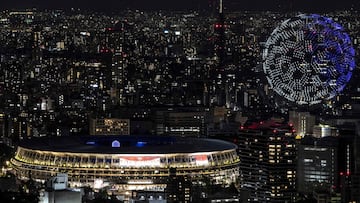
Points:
(327, 161)
(115, 44)
(348, 163)
(219, 29)
(317, 165)
(218, 76)
(303, 122)
(268, 167)
(355, 175)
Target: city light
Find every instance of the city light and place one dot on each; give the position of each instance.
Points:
(212, 103)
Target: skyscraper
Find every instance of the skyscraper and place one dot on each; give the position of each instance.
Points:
(317, 165)
(303, 122)
(115, 44)
(267, 168)
(218, 73)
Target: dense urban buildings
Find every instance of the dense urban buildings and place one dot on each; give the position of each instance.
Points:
(80, 91)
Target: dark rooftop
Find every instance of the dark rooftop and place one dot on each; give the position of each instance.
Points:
(126, 144)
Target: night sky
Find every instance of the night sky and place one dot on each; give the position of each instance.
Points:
(182, 4)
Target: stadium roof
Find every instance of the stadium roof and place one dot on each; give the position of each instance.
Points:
(126, 144)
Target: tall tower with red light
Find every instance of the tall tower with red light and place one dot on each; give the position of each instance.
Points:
(218, 72)
(219, 30)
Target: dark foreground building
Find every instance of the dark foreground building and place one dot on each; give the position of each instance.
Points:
(268, 166)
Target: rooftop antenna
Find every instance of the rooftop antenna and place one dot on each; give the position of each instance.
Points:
(221, 7)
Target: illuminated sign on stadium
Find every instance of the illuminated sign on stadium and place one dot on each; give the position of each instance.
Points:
(201, 160)
(139, 161)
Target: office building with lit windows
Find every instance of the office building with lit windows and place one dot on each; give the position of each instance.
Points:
(126, 162)
(317, 165)
(268, 166)
(181, 123)
(303, 122)
(109, 126)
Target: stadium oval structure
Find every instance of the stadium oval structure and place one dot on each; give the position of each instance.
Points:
(308, 59)
(126, 161)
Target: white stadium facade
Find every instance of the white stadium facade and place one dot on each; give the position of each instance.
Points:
(125, 162)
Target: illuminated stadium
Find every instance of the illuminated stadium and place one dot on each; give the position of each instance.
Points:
(125, 162)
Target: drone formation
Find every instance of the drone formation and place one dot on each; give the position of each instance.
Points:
(308, 59)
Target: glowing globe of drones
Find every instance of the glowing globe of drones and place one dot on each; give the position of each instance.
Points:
(308, 59)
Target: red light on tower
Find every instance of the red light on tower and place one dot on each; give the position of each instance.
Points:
(218, 25)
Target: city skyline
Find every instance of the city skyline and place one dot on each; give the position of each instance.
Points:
(179, 105)
(231, 5)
